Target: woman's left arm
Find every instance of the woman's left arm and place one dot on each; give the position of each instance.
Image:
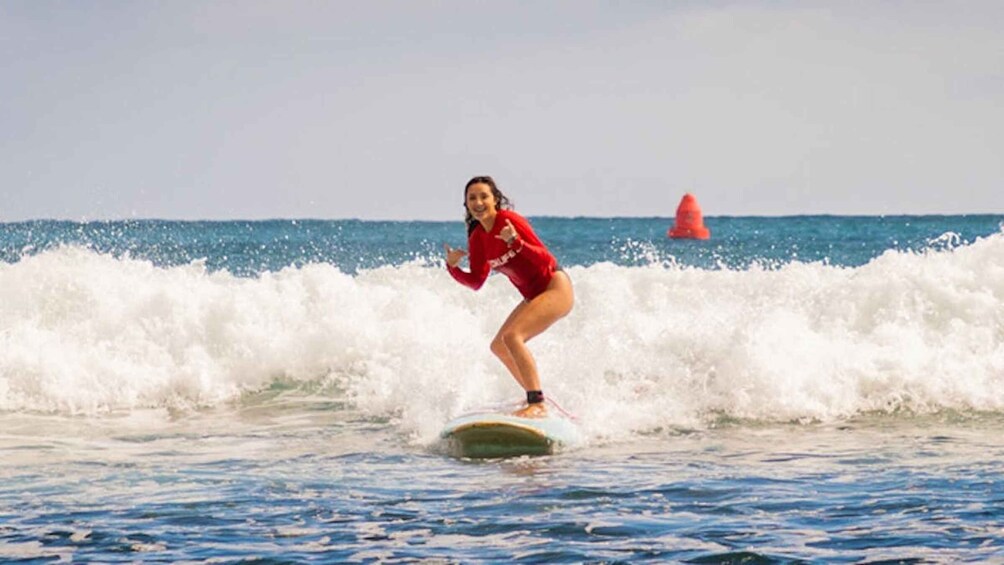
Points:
(523, 237)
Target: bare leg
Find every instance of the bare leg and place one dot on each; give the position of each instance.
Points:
(501, 351)
(528, 320)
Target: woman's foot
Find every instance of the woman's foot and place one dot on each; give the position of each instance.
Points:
(537, 410)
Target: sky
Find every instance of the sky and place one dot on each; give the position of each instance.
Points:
(374, 109)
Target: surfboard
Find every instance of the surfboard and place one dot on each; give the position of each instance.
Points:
(494, 434)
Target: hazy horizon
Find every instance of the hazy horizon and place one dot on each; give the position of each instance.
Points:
(459, 220)
(382, 111)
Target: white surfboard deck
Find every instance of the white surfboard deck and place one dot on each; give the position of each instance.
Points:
(494, 433)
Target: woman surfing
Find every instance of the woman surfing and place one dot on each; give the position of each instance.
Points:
(501, 239)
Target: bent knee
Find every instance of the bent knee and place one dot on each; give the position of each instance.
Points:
(511, 339)
(498, 346)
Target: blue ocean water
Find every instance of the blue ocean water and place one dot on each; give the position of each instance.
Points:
(795, 389)
(248, 248)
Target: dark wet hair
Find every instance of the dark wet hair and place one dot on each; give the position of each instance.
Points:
(501, 201)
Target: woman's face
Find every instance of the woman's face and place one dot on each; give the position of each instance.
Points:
(481, 201)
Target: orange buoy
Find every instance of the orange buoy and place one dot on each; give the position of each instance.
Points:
(689, 220)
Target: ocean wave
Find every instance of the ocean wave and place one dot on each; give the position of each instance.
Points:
(647, 347)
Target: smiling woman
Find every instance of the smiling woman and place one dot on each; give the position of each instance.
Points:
(501, 239)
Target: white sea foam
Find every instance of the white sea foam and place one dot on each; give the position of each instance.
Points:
(645, 348)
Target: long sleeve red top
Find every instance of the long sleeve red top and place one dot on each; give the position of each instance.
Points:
(528, 264)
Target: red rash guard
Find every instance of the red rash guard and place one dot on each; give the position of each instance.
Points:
(528, 264)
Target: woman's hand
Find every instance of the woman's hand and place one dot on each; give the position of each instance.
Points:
(508, 233)
(453, 256)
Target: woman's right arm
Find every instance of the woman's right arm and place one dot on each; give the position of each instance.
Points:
(479, 266)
